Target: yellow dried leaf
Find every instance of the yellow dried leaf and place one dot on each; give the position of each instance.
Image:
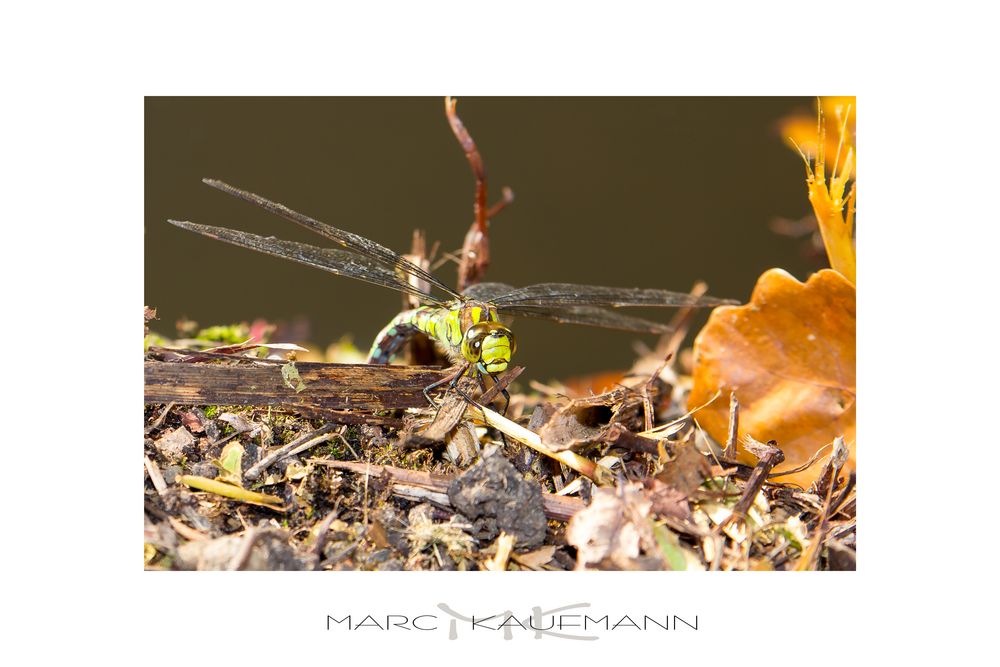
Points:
(789, 355)
(832, 198)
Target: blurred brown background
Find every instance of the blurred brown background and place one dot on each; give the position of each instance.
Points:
(634, 192)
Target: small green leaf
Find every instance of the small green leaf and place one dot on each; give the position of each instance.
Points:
(670, 547)
(231, 463)
(290, 375)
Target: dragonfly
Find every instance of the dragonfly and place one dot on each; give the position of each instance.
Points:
(467, 326)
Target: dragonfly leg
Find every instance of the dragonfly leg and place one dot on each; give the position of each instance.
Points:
(482, 385)
(433, 385)
(482, 408)
(453, 379)
(506, 395)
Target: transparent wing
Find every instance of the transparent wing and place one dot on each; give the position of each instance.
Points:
(568, 294)
(488, 291)
(590, 316)
(587, 315)
(353, 242)
(340, 262)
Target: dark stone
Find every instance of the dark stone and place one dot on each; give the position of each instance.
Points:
(494, 497)
(170, 474)
(212, 429)
(841, 557)
(205, 469)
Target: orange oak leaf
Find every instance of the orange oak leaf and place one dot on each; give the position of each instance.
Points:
(789, 355)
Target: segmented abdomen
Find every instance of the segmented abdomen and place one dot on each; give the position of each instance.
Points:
(440, 324)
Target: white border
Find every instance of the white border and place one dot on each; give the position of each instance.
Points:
(75, 74)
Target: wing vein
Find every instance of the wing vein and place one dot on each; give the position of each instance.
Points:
(333, 260)
(349, 240)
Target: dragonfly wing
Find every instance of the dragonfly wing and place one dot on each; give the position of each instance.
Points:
(340, 262)
(353, 242)
(488, 291)
(569, 294)
(589, 316)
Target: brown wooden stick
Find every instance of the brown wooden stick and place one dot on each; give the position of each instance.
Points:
(327, 386)
(159, 420)
(324, 529)
(449, 413)
(827, 477)
(619, 436)
(502, 383)
(848, 487)
(768, 456)
(729, 454)
(254, 471)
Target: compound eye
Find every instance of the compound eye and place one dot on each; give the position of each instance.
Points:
(472, 346)
(513, 343)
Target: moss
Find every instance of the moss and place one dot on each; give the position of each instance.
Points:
(227, 334)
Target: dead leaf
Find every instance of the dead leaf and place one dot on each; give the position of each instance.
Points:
(607, 528)
(568, 429)
(537, 558)
(789, 355)
(687, 470)
(667, 500)
(239, 423)
(578, 422)
(194, 420)
(267, 550)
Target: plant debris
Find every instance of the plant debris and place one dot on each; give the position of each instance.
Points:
(267, 487)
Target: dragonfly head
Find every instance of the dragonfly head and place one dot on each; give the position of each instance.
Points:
(489, 345)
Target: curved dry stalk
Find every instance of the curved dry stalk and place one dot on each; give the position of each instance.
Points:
(231, 491)
(595, 471)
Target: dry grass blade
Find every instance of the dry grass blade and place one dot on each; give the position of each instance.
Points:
(155, 476)
(230, 491)
(586, 467)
